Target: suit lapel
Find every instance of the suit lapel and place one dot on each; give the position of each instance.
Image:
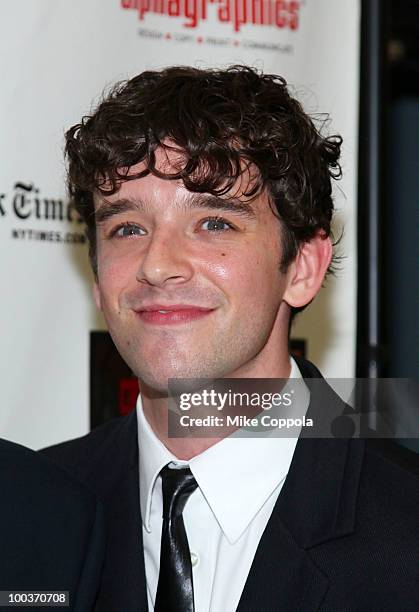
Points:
(123, 585)
(317, 503)
(282, 576)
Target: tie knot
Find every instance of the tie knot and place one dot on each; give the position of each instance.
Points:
(177, 485)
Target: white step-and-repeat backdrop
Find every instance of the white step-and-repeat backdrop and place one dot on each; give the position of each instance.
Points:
(56, 59)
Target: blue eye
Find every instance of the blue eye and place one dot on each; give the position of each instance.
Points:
(216, 224)
(129, 229)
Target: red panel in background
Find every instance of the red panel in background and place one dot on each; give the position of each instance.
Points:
(127, 395)
(298, 347)
(113, 386)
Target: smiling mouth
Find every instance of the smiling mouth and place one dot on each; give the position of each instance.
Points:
(172, 315)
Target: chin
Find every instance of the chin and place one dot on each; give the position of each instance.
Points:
(158, 378)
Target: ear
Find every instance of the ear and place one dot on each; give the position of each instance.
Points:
(96, 295)
(306, 273)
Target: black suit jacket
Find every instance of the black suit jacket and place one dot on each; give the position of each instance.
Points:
(343, 536)
(51, 529)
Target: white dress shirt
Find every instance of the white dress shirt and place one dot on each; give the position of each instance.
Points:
(239, 480)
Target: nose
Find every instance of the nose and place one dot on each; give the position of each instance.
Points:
(165, 261)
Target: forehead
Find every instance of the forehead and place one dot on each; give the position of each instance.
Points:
(169, 162)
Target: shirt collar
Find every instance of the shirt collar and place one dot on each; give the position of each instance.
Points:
(225, 472)
(153, 456)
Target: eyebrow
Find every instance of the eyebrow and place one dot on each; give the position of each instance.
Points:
(109, 209)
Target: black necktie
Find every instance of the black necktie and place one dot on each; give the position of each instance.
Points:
(175, 586)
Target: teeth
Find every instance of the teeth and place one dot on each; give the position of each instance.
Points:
(164, 311)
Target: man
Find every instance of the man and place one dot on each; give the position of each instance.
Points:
(207, 198)
(51, 531)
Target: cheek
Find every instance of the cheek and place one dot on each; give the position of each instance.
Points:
(221, 269)
(249, 272)
(113, 277)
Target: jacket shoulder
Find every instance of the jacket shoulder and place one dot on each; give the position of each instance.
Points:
(51, 528)
(391, 453)
(377, 565)
(389, 490)
(392, 466)
(93, 458)
(25, 470)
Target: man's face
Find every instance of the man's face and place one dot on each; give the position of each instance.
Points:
(189, 284)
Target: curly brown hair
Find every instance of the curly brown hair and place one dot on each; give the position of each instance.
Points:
(221, 120)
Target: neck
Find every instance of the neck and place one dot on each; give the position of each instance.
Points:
(155, 409)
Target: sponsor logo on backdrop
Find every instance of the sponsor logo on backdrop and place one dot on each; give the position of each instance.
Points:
(27, 205)
(232, 14)
(277, 13)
